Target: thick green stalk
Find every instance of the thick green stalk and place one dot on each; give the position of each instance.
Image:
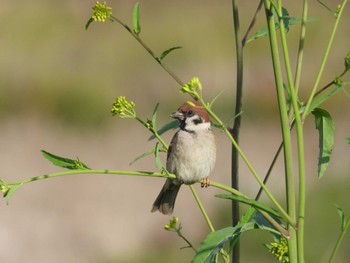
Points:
(324, 60)
(300, 141)
(287, 145)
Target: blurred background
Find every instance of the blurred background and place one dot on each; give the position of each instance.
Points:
(58, 82)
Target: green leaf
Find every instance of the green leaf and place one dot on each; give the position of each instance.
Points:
(263, 32)
(342, 217)
(65, 162)
(166, 52)
(286, 19)
(12, 189)
(215, 241)
(348, 140)
(251, 202)
(159, 163)
(88, 23)
(142, 156)
(325, 127)
(171, 125)
(323, 97)
(136, 19)
(212, 244)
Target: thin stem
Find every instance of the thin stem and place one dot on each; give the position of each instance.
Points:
(105, 171)
(301, 47)
(264, 214)
(178, 232)
(340, 239)
(201, 207)
(324, 60)
(249, 165)
(252, 23)
(267, 176)
(149, 50)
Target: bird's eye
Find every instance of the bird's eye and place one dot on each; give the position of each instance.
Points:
(189, 113)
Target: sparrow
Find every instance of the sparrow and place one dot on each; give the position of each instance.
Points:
(191, 154)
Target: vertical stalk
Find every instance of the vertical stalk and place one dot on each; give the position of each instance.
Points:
(300, 140)
(237, 124)
(287, 145)
(301, 47)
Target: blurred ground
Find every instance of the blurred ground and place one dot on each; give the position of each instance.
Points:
(57, 84)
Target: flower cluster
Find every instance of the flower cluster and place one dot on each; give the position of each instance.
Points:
(172, 225)
(280, 250)
(101, 12)
(123, 108)
(193, 87)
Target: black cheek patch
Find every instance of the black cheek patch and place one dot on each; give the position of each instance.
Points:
(197, 121)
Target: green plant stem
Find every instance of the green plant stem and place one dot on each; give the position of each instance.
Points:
(246, 161)
(264, 214)
(324, 60)
(287, 145)
(201, 207)
(143, 44)
(105, 171)
(237, 124)
(178, 232)
(154, 132)
(340, 239)
(300, 144)
(301, 46)
(207, 219)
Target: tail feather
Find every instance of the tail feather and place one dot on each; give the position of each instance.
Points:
(165, 201)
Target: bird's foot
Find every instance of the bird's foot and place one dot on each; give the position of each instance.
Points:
(205, 182)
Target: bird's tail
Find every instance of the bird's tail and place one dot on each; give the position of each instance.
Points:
(165, 201)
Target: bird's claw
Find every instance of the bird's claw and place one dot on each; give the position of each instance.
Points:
(205, 182)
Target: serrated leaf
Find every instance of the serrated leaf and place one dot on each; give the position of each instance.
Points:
(88, 23)
(169, 126)
(285, 19)
(166, 52)
(159, 163)
(325, 127)
(136, 19)
(342, 217)
(12, 189)
(142, 156)
(251, 202)
(64, 162)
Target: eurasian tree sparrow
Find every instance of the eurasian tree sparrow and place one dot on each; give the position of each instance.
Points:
(191, 154)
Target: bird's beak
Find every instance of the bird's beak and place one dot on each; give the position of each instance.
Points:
(177, 115)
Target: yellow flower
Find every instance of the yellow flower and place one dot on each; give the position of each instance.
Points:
(101, 12)
(123, 108)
